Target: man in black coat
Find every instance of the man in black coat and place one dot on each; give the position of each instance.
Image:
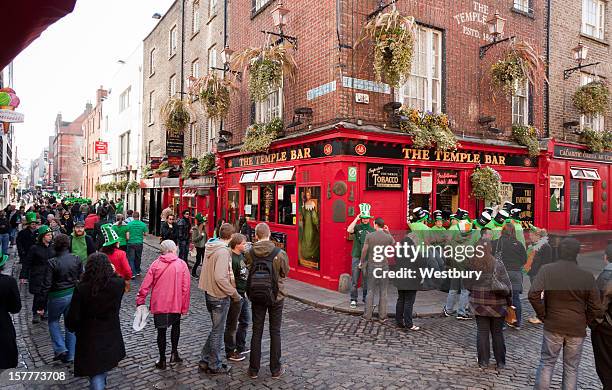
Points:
(601, 330)
(34, 269)
(98, 237)
(10, 303)
(184, 235)
(27, 237)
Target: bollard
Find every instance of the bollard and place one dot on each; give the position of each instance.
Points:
(344, 283)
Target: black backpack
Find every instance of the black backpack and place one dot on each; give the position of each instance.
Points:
(262, 283)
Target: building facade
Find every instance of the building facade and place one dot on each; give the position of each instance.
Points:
(67, 145)
(6, 144)
(91, 163)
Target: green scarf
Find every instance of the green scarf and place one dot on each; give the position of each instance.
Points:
(79, 247)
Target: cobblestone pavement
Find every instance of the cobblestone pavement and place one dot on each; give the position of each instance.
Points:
(321, 349)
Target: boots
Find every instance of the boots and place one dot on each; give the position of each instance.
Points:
(174, 358)
(161, 364)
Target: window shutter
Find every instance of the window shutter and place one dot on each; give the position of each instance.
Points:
(253, 113)
(530, 114)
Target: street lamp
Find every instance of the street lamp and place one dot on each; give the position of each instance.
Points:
(279, 15)
(496, 29)
(226, 54)
(579, 53)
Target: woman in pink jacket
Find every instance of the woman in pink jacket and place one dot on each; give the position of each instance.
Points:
(169, 283)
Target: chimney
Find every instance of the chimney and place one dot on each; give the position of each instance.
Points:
(101, 94)
(88, 107)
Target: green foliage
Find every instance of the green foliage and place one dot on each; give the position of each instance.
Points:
(145, 171)
(133, 186)
(260, 135)
(214, 95)
(174, 115)
(592, 98)
(521, 62)
(486, 184)
(527, 136)
(597, 141)
(428, 129)
(189, 165)
(120, 186)
(206, 163)
(164, 165)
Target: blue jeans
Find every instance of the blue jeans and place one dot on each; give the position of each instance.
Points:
(516, 302)
(98, 382)
(237, 324)
(551, 347)
(184, 250)
(13, 234)
(451, 299)
(355, 272)
(134, 252)
(214, 349)
(61, 343)
(5, 239)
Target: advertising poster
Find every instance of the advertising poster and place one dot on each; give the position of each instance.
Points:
(309, 228)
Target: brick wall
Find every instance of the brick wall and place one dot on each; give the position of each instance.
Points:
(91, 131)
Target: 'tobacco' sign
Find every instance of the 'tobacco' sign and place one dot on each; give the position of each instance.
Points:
(101, 147)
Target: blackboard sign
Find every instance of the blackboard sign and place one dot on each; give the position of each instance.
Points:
(384, 177)
(523, 197)
(175, 141)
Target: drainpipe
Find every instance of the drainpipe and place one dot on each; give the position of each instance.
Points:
(547, 111)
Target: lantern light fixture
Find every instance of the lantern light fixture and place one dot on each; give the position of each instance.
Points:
(279, 15)
(579, 54)
(495, 26)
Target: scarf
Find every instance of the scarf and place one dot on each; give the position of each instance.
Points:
(79, 247)
(531, 252)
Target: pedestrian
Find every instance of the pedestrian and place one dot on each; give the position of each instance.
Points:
(84, 211)
(10, 303)
(55, 227)
(359, 231)
(198, 239)
(61, 278)
(90, 223)
(514, 256)
(75, 211)
(67, 223)
(601, 331)
(216, 280)
(120, 227)
(168, 281)
(137, 230)
(27, 236)
(216, 231)
(244, 228)
(458, 294)
(98, 236)
(183, 235)
(112, 211)
(489, 303)
(571, 300)
(268, 267)
(166, 213)
(239, 314)
(116, 256)
(5, 232)
(129, 216)
(539, 254)
(515, 220)
(34, 269)
(407, 287)
(81, 244)
(15, 222)
(376, 284)
(169, 230)
(94, 318)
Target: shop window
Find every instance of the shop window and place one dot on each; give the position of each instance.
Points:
(593, 18)
(268, 203)
(232, 207)
(286, 204)
(251, 202)
(557, 193)
(420, 186)
(309, 227)
(447, 192)
(581, 202)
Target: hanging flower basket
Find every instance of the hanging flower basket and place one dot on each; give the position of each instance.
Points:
(592, 98)
(520, 63)
(527, 136)
(597, 141)
(174, 115)
(393, 39)
(146, 171)
(266, 67)
(486, 184)
(133, 186)
(260, 135)
(190, 165)
(163, 166)
(214, 95)
(206, 163)
(428, 129)
(120, 186)
(99, 187)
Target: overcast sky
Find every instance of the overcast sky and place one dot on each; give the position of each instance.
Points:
(61, 70)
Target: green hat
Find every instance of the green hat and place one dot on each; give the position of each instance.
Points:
(200, 218)
(3, 260)
(31, 217)
(44, 229)
(110, 236)
(364, 210)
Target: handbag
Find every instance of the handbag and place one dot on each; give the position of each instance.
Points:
(511, 315)
(497, 286)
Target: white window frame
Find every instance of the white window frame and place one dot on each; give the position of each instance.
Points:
(212, 57)
(124, 146)
(172, 41)
(193, 138)
(593, 18)
(594, 122)
(195, 68)
(195, 18)
(124, 99)
(152, 61)
(270, 108)
(522, 5)
(520, 104)
(151, 107)
(258, 4)
(420, 95)
(212, 134)
(212, 7)
(172, 86)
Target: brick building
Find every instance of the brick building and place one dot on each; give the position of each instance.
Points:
(91, 164)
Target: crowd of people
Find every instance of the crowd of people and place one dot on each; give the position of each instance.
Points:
(565, 298)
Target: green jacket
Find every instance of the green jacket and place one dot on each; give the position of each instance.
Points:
(421, 231)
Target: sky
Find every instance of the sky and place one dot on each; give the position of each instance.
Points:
(61, 70)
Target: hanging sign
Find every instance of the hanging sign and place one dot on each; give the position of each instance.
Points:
(384, 177)
(175, 142)
(101, 147)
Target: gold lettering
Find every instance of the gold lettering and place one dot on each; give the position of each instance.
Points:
(453, 157)
(476, 158)
(487, 159)
(406, 152)
(425, 154)
(502, 160)
(438, 154)
(283, 156)
(446, 156)
(306, 152)
(293, 154)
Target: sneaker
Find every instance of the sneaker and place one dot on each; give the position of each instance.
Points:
(353, 304)
(244, 352)
(224, 369)
(236, 357)
(534, 320)
(279, 373)
(447, 313)
(61, 356)
(252, 374)
(464, 317)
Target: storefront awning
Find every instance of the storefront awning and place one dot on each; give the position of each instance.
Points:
(268, 176)
(584, 173)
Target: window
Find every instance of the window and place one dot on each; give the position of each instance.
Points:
(256, 5)
(268, 203)
(195, 69)
(286, 204)
(125, 148)
(149, 147)
(581, 202)
(151, 107)
(172, 85)
(423, 89)
(593, 18)
(270, 108)
(124, 99)
(173, 41)
(233, 208)
(193, 138)
(212, 134)
(195, 19)
(212, 57)
(152, 61)
(212, 10)
(594, 122)
(521, 5)
(520, 104)
(251, 202)
(447, 192)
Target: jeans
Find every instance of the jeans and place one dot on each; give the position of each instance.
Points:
(516, 302)
(198, 261)
(492, 325)
(259, 318)
(5, 239)
(98, 382)
(134, 252)
(380, 286)
(451, 299)
(516, 278)
(13, 235)
(551, 347)
(212, 353)
(238, 319)
(355, 280)
(183, 250)
(403, 307)
(61, 343)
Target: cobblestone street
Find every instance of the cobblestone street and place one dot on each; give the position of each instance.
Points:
(321, 350)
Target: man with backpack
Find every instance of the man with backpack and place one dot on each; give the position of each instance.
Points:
(268, 267)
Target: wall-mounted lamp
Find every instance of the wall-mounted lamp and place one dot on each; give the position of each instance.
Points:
(226, 56)
(279, 17)
(496, 29)
(579, 53)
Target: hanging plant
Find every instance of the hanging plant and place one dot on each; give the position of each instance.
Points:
(120, 186)
(428, 129)
(266, 67)
(189, 166)
(521, 63)
(174, 115)
(206, 163)
(527, 136)
(214, 95)
(99, 187)
(607, 139)
(260, 135)
(133, 186)
(393, 37)
(594, 140)
(592, 98)
(163, 166)
(145, 171)
(486, 184)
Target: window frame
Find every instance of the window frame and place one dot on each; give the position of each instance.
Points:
(124, 140)
(265, 112)
(124, 99)
(193, 138)
(195, 18)
(172, 86)
(524, 105)
(522, 6)
(172, 41)
(212, 8)
(598, 29)
(211, 134)
(152, 62)
(211, 57)
(258, 5)
(151, 107)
